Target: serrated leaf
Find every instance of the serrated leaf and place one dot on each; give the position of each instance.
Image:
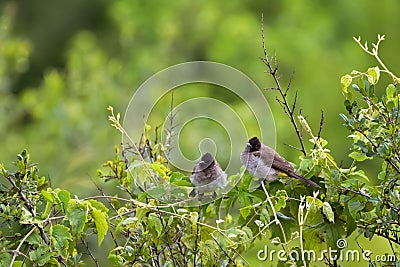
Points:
(327, 210)
(77, 217)
(209, 252)
(34, 239)
(5, 259)
(60, 235)
(155, 223)
(40, 256)
(101, 221)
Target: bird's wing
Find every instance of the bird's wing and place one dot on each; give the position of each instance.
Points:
(282, 164)
(279, 163)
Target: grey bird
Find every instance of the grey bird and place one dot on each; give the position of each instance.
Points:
(207, 176)
(265, 163)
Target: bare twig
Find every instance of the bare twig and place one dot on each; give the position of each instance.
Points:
(90, 253)
(272, 68)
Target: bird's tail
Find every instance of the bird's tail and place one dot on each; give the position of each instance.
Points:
(295, 175)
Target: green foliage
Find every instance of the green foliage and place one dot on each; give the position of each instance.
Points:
(66, 73)
(41, 226)
(373, 121)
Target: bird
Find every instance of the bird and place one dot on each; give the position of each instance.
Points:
(265, 163)
(207, 176)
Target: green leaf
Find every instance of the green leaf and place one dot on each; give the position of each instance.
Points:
(306, 164)
(360, 175)
(345, 82)
(281, 196)
(312, 239)
(5, 259)
(327, 210)
(77, 216)
(334, 231)
(101, 222)
(189, 242)
(157, 191)
(27, 218)
(160, 169)
(34, 239)
(358, 156)
(390, 91)
(311, 200)
(209, 252)
(373, 75)
(64, 197)
(155, 223)
(182, 183)
(245, 211)
(48, 196)
(60, 235)
(354, 207)
(98, 205)
(41, 255)
(116, 260)
(244, 198)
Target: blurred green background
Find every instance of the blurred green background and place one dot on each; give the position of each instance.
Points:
(63, 62)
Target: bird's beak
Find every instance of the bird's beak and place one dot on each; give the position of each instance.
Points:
(248, 146)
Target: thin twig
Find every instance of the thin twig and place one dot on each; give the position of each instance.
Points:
(273, 70)
(16, 251)
(90, 253)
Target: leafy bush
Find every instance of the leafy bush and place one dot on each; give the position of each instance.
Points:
(42, 226)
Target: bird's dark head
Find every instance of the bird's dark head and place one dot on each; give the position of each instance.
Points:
(254, 144)
(207, 160)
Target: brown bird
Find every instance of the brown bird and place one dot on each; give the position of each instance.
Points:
(207, 176)
(265, 163)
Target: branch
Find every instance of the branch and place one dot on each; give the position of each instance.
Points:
(90, 253)
(272, 68)
(16, 251)
(28, 206)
